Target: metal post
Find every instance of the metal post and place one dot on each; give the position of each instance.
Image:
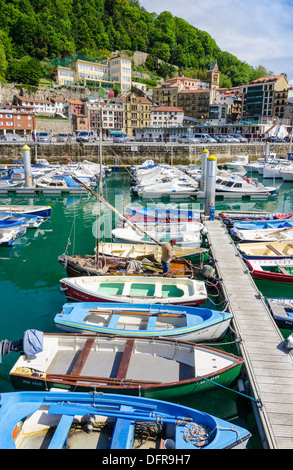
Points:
(26, 152)
(210, 183)
(267, 151)
(204, 156)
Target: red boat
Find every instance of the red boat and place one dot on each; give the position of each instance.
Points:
(277, 270)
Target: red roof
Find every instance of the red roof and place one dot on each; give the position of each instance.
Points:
(168, 108)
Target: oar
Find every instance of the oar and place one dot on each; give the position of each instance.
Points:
(277, 231)
(110, 380)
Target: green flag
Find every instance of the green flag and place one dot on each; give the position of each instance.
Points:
(102, 91)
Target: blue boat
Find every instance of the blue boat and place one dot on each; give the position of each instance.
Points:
(144, 320)
(282, 311)
(41, 211)
(32, 221)
(179, 214)
(6, 221)
(78, 420)
(264, 224)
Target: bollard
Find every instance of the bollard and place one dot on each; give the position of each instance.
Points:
(204, 156)
(26, 152)
(210, 190)
(267, 151)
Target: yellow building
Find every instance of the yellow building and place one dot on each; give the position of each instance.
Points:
(137, 112)
(107, 72)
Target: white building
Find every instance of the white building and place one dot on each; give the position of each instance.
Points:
(167, 116)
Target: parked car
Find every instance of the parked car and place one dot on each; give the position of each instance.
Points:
(13, 138)
(184, 139)
(62, 137)
(273, 138)
(210, 139)
(86, 136)
(44, 137)
(121, 139)
(230, 140)
(239, 137)
(219, 139)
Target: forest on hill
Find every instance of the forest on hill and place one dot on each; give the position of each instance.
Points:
(35, 32)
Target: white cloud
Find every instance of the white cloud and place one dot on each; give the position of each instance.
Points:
(258, 32)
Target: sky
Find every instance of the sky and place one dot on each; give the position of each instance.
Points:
(258, 32)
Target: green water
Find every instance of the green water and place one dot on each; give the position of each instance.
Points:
(30, 274)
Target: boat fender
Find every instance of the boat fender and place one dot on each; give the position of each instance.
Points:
(234, 231)
(288, 343)
(89, 426)
(169, 444)
(208, 272)
(204, 232)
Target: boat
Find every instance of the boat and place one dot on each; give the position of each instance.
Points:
(6, 221)
(238, 162)
(56, 420)
(134, 289)
(163, 214)
(274, 170)
(263, 224)
(139, 251)
(8, 236)
(31, 221)
(280, 270)
(186, 235)
(144, 320)
(254, 215)
(151, 367)
(243, 186)
(282, 311)
(91, 265)
(41, 211)
(273, 250)
(261, 235)
(287, 174)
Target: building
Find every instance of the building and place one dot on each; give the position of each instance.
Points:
(167, 115)
(213, 76)
(109, 116)
(260, 97)
(196, 104)
(17, 120)
(41, 107)
(60, 106)
(137, 112)
(106, 73)
(80, 122)
(74, 107)
(166, 94)
(187, 83)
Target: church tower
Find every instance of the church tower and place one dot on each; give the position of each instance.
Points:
(213, 75)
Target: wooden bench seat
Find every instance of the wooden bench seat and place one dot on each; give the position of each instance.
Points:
(125, 360)
(82, 357)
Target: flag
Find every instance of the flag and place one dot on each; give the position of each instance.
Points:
(102, 91)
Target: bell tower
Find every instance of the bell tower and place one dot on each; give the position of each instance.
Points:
(213, 75)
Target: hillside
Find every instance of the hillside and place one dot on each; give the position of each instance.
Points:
(34, 32)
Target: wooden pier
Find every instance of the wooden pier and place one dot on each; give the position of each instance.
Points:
(269, 367)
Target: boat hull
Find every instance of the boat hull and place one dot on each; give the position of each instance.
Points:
(72, 293)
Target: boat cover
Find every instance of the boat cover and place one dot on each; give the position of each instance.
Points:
(32, 342)
(70, 182)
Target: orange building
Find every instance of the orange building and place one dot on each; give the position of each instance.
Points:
(17, 120)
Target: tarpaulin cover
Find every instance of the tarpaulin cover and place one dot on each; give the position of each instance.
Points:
(32, 342)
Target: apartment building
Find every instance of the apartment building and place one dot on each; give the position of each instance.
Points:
(41, 107)
(167, 115)
(137, 112)
(107, 72)
(196, 104)
(108, 115)
(260, 96)
(17, 119)
(188, 83)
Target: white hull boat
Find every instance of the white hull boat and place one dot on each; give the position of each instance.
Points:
(132, 289)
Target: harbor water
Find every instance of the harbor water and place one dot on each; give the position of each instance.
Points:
(30, 275)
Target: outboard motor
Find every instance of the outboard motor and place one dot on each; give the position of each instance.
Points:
(30, 344)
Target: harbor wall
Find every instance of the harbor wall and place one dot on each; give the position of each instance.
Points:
(135, 153)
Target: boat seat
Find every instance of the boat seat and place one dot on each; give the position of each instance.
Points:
(60, 435)
(123, 433)
(152, 321)
(114, 320)
(125, 360)
(270, 247)
(83, 355)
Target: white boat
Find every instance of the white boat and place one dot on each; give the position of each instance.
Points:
(261, 235)
(41, 211)
(242, 186)
(273, 170)
(135, 289)
(238, 163)
(9, 235)
(258, 165)
(186, 235)
(287, 173)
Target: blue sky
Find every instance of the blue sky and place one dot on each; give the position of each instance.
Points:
(259, 32)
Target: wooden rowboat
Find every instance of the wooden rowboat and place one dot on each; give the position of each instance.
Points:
(280, 270)
(143, 320)
(88, 265)
(140, 251)
(282, 311)
(154, 368)
(134, 289)
(76, 420)
(274, 250)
